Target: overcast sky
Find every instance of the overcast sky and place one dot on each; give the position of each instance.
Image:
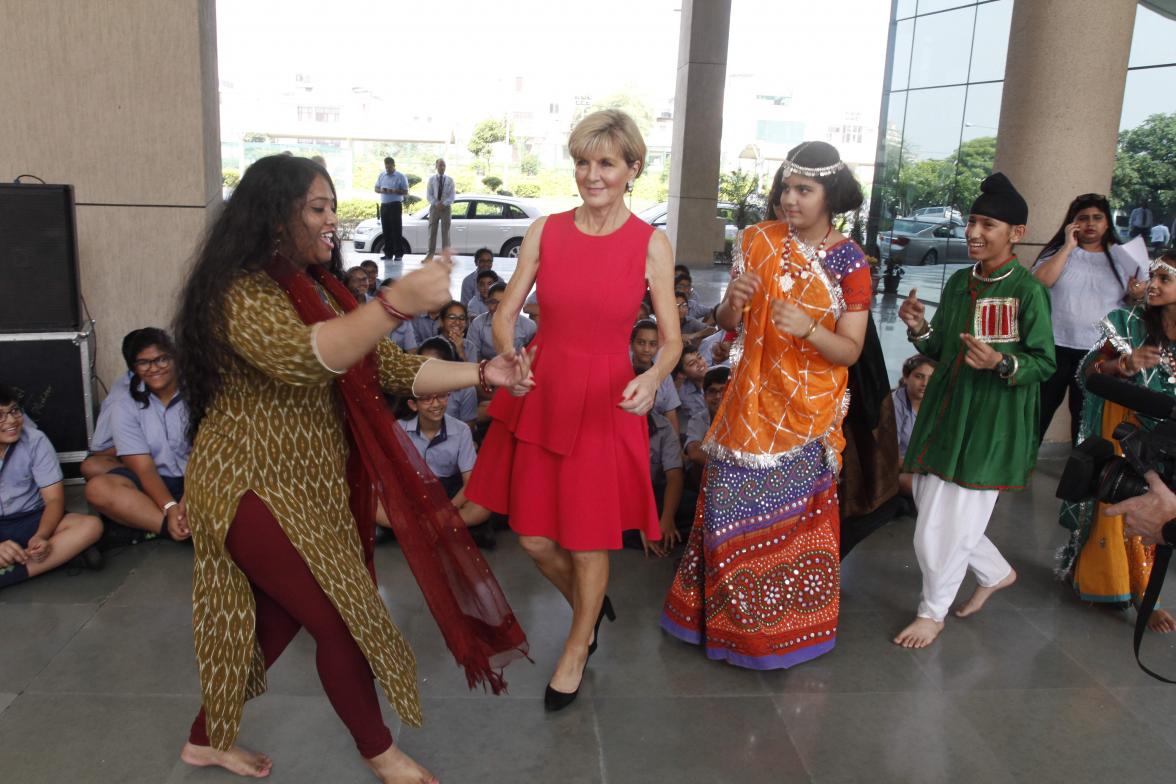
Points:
(835, 48)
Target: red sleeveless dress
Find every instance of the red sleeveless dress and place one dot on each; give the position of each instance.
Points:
(564, 461)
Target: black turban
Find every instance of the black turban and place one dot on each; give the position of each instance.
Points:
(1000, 200)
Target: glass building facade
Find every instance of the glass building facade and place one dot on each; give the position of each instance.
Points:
(941, 110)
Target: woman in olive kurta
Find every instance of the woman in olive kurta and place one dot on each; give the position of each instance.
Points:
(271, 445)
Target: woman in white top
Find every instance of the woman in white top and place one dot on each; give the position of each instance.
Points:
(1085, 284)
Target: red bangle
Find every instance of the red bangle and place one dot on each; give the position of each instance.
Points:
(391, 310)
(482, 377)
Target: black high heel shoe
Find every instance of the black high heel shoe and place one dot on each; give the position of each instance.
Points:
(558, 700)
(606, 609)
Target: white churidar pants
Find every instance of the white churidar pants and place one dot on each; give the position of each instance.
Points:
(950, 540)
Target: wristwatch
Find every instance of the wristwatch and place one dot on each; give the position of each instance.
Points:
(1007, 367)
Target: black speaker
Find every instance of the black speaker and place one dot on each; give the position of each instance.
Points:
(52, 374)
(38, 259)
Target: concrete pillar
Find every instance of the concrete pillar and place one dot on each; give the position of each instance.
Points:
(694, 230)
(121, 101)
(1059, 113)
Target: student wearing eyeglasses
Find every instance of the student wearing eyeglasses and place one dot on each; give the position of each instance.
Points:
(451, 324)
(149, 425)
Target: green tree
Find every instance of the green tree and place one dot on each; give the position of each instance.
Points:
(1145, 165)
(974, 161)
(487, 133)
(741, 189)
(230, 178)
(529, 165)
(492, 183)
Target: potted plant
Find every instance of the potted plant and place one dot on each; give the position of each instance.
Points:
(892, 276)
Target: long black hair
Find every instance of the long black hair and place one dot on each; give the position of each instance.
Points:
(1109, 238)
(135, 343)
(242, 238)
(1153, 318)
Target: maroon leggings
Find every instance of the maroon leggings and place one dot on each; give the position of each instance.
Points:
(288, 598)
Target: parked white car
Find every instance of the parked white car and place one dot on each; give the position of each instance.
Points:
(494, 222)
(659, 214)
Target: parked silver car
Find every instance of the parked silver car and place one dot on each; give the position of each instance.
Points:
(914, 242)
(494, 222)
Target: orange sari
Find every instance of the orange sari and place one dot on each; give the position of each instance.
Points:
(759, 582)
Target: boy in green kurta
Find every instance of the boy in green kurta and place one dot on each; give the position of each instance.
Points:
(976, 433)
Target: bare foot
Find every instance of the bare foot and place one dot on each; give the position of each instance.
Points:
(396, 767)
(921, 633)
(1161, 621)
(569, 670)
(237, 760)
(982, 594)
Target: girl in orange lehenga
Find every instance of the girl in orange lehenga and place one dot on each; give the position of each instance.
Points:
(759, 582)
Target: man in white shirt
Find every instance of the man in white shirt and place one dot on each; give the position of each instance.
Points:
(1159, 237)
(440, 193)
(1141, 221)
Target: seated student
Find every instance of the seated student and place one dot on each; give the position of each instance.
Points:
(36, 533)
(149, 424)
(693, 370)
(373, 273)
(463, 403)
(480, 336)
(531, 307)
(452, 322)
(102, 457)
(716, 349)
(714, 384)
(692, 329)
(477, 304)
(685, 284)
(483, 261)
(425, 326)
(447, 445)
(665, 471)
(356, 280)
(643, 343)
(644, 309)
(665, 463)
(404, 335)
(916, 372)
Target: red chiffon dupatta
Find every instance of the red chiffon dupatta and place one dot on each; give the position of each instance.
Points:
(464, 597)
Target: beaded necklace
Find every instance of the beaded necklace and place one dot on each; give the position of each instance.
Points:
(812, 255)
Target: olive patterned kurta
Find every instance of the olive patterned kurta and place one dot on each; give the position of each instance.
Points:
(276, 427)
(976, 429)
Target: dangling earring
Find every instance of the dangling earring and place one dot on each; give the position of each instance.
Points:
(629, 186)
(277, 245)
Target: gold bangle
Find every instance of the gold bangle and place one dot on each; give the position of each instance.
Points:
(811, 330)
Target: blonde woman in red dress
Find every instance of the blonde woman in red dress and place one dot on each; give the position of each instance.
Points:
(576, 448)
